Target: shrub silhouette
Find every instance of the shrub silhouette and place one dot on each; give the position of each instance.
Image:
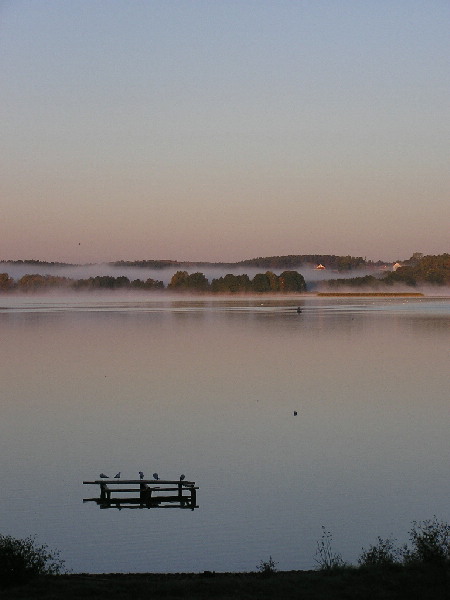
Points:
(326, 558)
(22, 560)
(382, 554)
(430, 545)
(267, 567)
(430, 541)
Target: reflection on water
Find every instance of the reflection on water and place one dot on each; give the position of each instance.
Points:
(209, 388)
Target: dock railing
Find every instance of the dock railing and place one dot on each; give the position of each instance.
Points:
(144, 493)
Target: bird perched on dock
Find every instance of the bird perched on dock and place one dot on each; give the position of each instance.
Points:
(117, 476)
(182, 477)
(155, 476)
(103, 476)
(141, 475)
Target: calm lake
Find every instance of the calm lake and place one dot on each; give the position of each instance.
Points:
(209, 388)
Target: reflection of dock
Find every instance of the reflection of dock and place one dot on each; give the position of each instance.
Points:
(144, 493)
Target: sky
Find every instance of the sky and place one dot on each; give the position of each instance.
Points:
(222, 130)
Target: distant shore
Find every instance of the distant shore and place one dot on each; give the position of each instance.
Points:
(370, 294)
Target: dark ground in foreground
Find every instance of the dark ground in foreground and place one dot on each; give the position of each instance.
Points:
(417, 583)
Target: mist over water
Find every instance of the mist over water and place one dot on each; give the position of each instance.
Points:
(16, 271)
(209, 388)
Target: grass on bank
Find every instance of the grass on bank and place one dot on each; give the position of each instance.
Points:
(349, 583)
(385, 571)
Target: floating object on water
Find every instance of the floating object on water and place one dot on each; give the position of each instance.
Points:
(155, 476)
(137, 494)
(141, 475)
(295, 413)
(103, 476)
(117, 476)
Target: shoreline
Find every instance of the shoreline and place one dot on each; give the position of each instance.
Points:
(424, 582)
(373, 294)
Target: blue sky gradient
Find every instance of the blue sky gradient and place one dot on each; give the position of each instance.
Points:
(224, 130)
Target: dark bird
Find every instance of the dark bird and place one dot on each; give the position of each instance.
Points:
(141, 475)
(295, 413)
(299, 310)
(117, 476)
(103, 476)
(182, 477)
(155, 476)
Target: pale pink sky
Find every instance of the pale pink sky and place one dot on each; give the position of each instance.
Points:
(220, 131)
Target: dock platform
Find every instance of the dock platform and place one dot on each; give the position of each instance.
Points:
(144, 493)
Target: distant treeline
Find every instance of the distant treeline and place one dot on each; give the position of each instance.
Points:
(32, 261)
(288, 281)
(330, 261)
(148, 264)
(291, 261)
(35, 283)
(288, 262)
(417, 270)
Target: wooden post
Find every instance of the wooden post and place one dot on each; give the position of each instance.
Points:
(145, 495)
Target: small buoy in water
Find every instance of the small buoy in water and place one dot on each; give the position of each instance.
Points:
(295, 413)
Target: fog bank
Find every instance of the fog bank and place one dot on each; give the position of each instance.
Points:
(310, 274)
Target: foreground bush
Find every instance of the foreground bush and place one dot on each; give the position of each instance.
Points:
(267, 567)
(23, 559)
(430, 541)
(382, 554)
(430, 545)
(326, 558)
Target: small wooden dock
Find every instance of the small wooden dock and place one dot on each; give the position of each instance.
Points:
(144, 493)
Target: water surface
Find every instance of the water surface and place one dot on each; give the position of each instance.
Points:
(209, 388)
